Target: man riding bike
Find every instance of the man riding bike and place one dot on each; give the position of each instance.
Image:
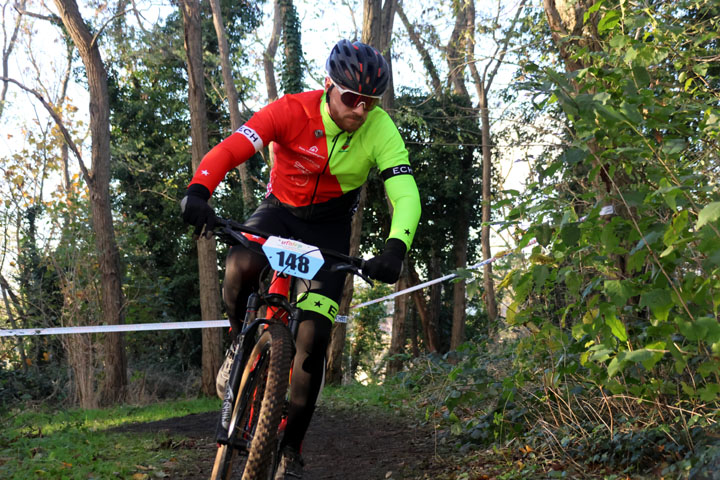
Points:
(324, 142)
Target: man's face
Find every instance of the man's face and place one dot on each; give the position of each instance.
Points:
(347, 118)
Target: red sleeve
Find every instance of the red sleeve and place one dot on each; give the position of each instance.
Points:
(225, 156)
(259, 131)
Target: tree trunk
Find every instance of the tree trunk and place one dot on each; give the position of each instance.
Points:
(6, 292)
(398, 336)
(488, 282)
(457, 336)
(429, 327)
(334, 373)
(377, 31)
(436, 299)
(569, 32)
(114, 387)
(456, 53)
(292, 81)
(270, 51)
(568, 27)
(232, 95)
(482, 86)
(207, 255)
(413, 333)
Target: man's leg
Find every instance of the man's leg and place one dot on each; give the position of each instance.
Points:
(307, 376)
(242, 269)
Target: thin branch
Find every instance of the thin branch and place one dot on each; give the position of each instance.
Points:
(59, 123)
(104, 26)
(504, 47)
(7, 50)
(424, 54)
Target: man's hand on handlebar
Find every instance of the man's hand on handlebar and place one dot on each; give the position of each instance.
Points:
(386, 267)
(196, 211)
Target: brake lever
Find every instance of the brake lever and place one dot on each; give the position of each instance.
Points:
(346, 267)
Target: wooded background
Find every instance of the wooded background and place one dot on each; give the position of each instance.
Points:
(609, 103)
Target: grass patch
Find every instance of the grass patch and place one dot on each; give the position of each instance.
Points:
(389, 397)
(79, 444)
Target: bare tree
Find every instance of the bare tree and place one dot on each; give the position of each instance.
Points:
(483, 84)
(8, 46)
(207, 255)
(334, 373)
(232, 96)
(378, 19)
(98, 180)
(7, 295)
(459, 55)
(436, 85)
(271, 50)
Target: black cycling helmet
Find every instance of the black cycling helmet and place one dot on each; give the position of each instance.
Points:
(358, 67)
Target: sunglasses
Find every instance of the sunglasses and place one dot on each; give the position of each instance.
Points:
(353, 99)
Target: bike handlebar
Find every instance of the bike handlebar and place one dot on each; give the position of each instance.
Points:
(229, 234)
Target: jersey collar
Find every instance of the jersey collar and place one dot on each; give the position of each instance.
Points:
(331, 128)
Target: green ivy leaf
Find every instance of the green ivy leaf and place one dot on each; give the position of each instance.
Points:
(616, 326)
(615, 366)
(540, 275)
(609, 113)
(711, 327)
(709, 393)
(673, 146)
(544, 234)
(631, 112)
(693, 331)
(709, 213)
(570, 234)
(608, 22)
(593, 8)
(711, 367)
(676, 228)
(648, 239)
(642, 78)
(659, 301)
(617, 291)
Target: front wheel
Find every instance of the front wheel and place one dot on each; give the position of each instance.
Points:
(258, 407)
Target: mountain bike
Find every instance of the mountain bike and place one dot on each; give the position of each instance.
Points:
(254, 408)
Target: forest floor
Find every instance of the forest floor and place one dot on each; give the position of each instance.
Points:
(342, 444)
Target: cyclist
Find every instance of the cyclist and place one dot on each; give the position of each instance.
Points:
(324, 143)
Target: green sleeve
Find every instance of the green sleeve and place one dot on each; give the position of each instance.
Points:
(405, 199)
(391, 158)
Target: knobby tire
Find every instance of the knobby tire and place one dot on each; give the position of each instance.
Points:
(259, 406)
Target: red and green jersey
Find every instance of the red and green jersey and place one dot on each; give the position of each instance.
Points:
(318, 168)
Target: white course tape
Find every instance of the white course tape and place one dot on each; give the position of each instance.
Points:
(607, 210)
(132, 327)
(437, 280)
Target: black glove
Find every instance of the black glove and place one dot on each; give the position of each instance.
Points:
(195, 208)
(386, 266)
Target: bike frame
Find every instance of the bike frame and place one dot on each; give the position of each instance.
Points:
(280, 310)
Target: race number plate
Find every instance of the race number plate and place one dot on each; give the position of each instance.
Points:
(293, 257)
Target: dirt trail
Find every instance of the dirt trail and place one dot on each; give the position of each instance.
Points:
(340, 445)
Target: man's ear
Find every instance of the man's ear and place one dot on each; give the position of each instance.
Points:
(328, 83)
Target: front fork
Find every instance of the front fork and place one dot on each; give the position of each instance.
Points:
(233, 385)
